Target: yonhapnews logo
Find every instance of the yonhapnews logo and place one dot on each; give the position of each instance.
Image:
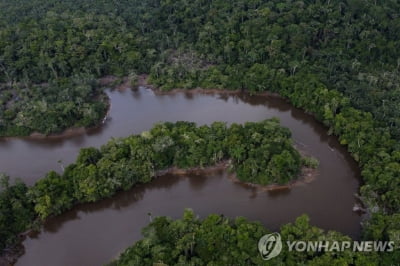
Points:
(270, 246)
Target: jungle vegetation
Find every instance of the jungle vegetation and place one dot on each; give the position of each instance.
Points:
(51, 108)
(349, 46)
(337, 59)
(260, 153)
(218, 240)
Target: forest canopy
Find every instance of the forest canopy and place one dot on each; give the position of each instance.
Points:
(51, 108)
(218, 240)
(338, 60)
(349, 46)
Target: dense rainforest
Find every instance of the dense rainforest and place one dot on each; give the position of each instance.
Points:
(50, 108)
(338, 60)
(260, 153)
(218, 240)
(349, 46)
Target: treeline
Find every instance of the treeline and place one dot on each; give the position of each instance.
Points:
(350, 46)
(260, 153)
(217, 240)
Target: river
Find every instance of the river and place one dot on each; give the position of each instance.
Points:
(93, 234)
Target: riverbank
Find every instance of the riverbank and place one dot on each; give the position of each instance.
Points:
(51, 109)
(11, 255)
(143, 81)
(306, 176)
(67, 133)
(194, 170)
(233, 110)
(122, 84)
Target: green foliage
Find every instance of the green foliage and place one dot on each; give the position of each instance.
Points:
(190, 44)
(88, 156)
(61, 45)
(214, 241)
(262, 153)
(51, 108)
(123, 163)
(217, 240)
(51, 195)
(310, 162)
(16, 211)
(328, 58)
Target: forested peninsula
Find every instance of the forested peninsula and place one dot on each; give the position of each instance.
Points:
(259, 153)
(338, 60)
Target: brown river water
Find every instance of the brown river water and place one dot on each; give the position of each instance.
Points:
(94, 234)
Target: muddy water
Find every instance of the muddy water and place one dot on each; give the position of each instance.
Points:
(93, 234)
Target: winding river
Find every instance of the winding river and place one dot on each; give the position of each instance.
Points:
(93, 234)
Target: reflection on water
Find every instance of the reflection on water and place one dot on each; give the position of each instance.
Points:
(92, 234)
